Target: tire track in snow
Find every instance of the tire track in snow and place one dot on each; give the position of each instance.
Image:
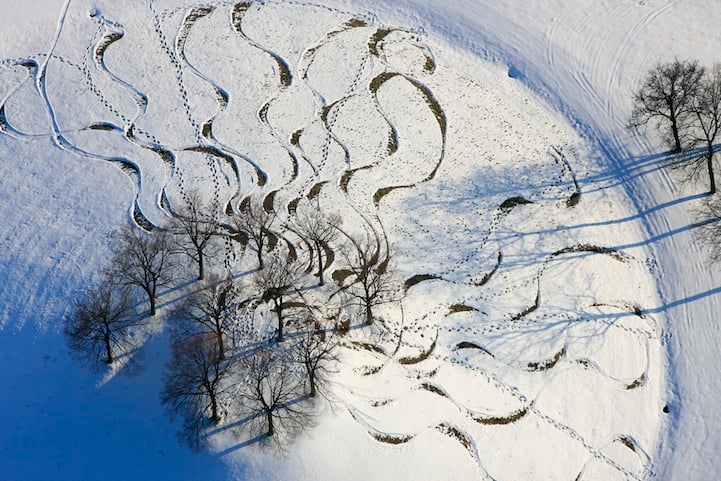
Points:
(619, 56)
(112, 33)
(592, 59)
(237, 15)
(127, 166)
(329, 115)
(64, 144)
(285, 80)
(435, 108)
(31, 69)
(213, 157)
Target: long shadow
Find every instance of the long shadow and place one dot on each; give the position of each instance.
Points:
(633, 168)
(242, 445)
(542, 257)
(657, 310)
(685, 300)
(669, 233)
(179, 288)
(240, 422)
(637, 216)
(185, 294)
(232, 425)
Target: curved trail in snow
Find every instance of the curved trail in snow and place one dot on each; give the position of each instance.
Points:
(110, 35)
(686, 306)
(61, 141)
(285, 80)
(222, 97)
(312, 186)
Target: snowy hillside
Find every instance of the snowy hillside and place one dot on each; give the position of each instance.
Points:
(555, 304)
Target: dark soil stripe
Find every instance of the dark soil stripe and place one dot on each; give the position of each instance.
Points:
(417, 279)
(500, 420)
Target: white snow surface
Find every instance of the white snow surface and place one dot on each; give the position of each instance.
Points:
(581, 347)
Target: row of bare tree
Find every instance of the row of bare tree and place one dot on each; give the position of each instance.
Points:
(252, 346)
(267, 386)
(682, 99)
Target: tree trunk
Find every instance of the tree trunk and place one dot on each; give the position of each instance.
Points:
(214, 409)
(313, 389)
(368, 300)
(674, 129)
(201, 266)
(676, 138)
(151, 297)
(269, 418)
(260, 257)
(108, 350)
(369, 314)
(319, 248)
(709, 165)
(221, 346)
(279, 311)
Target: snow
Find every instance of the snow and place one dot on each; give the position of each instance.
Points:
(597, 317)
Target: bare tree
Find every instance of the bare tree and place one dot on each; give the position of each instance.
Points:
(143, 260)
(211, 309)
(99, 327)
(271, 394)
(319, 230)
(252, 227)
(195, 385)
(315, 351)
(708, 231)
(194, 229)
(665, 97)
(706, 109)
(277, 282)
(367, 276)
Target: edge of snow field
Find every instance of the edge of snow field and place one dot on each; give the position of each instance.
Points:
(689, 437)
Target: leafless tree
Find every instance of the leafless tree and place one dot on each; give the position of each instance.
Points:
(195, 385)
(252, 226)
(367, 275)
(194, 228)
(708, 231)
(665, 98)
(315, 350)
(706, 110)
(98, 330)
(277, 282)
(143, 260)
(319, 230)
(271, 394)
(212, 308)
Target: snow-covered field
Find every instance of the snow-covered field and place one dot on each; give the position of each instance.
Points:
(542, 332)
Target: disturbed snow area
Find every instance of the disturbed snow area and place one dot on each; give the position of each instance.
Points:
(529, 342)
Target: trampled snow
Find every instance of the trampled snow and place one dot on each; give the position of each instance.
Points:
(538, 338)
